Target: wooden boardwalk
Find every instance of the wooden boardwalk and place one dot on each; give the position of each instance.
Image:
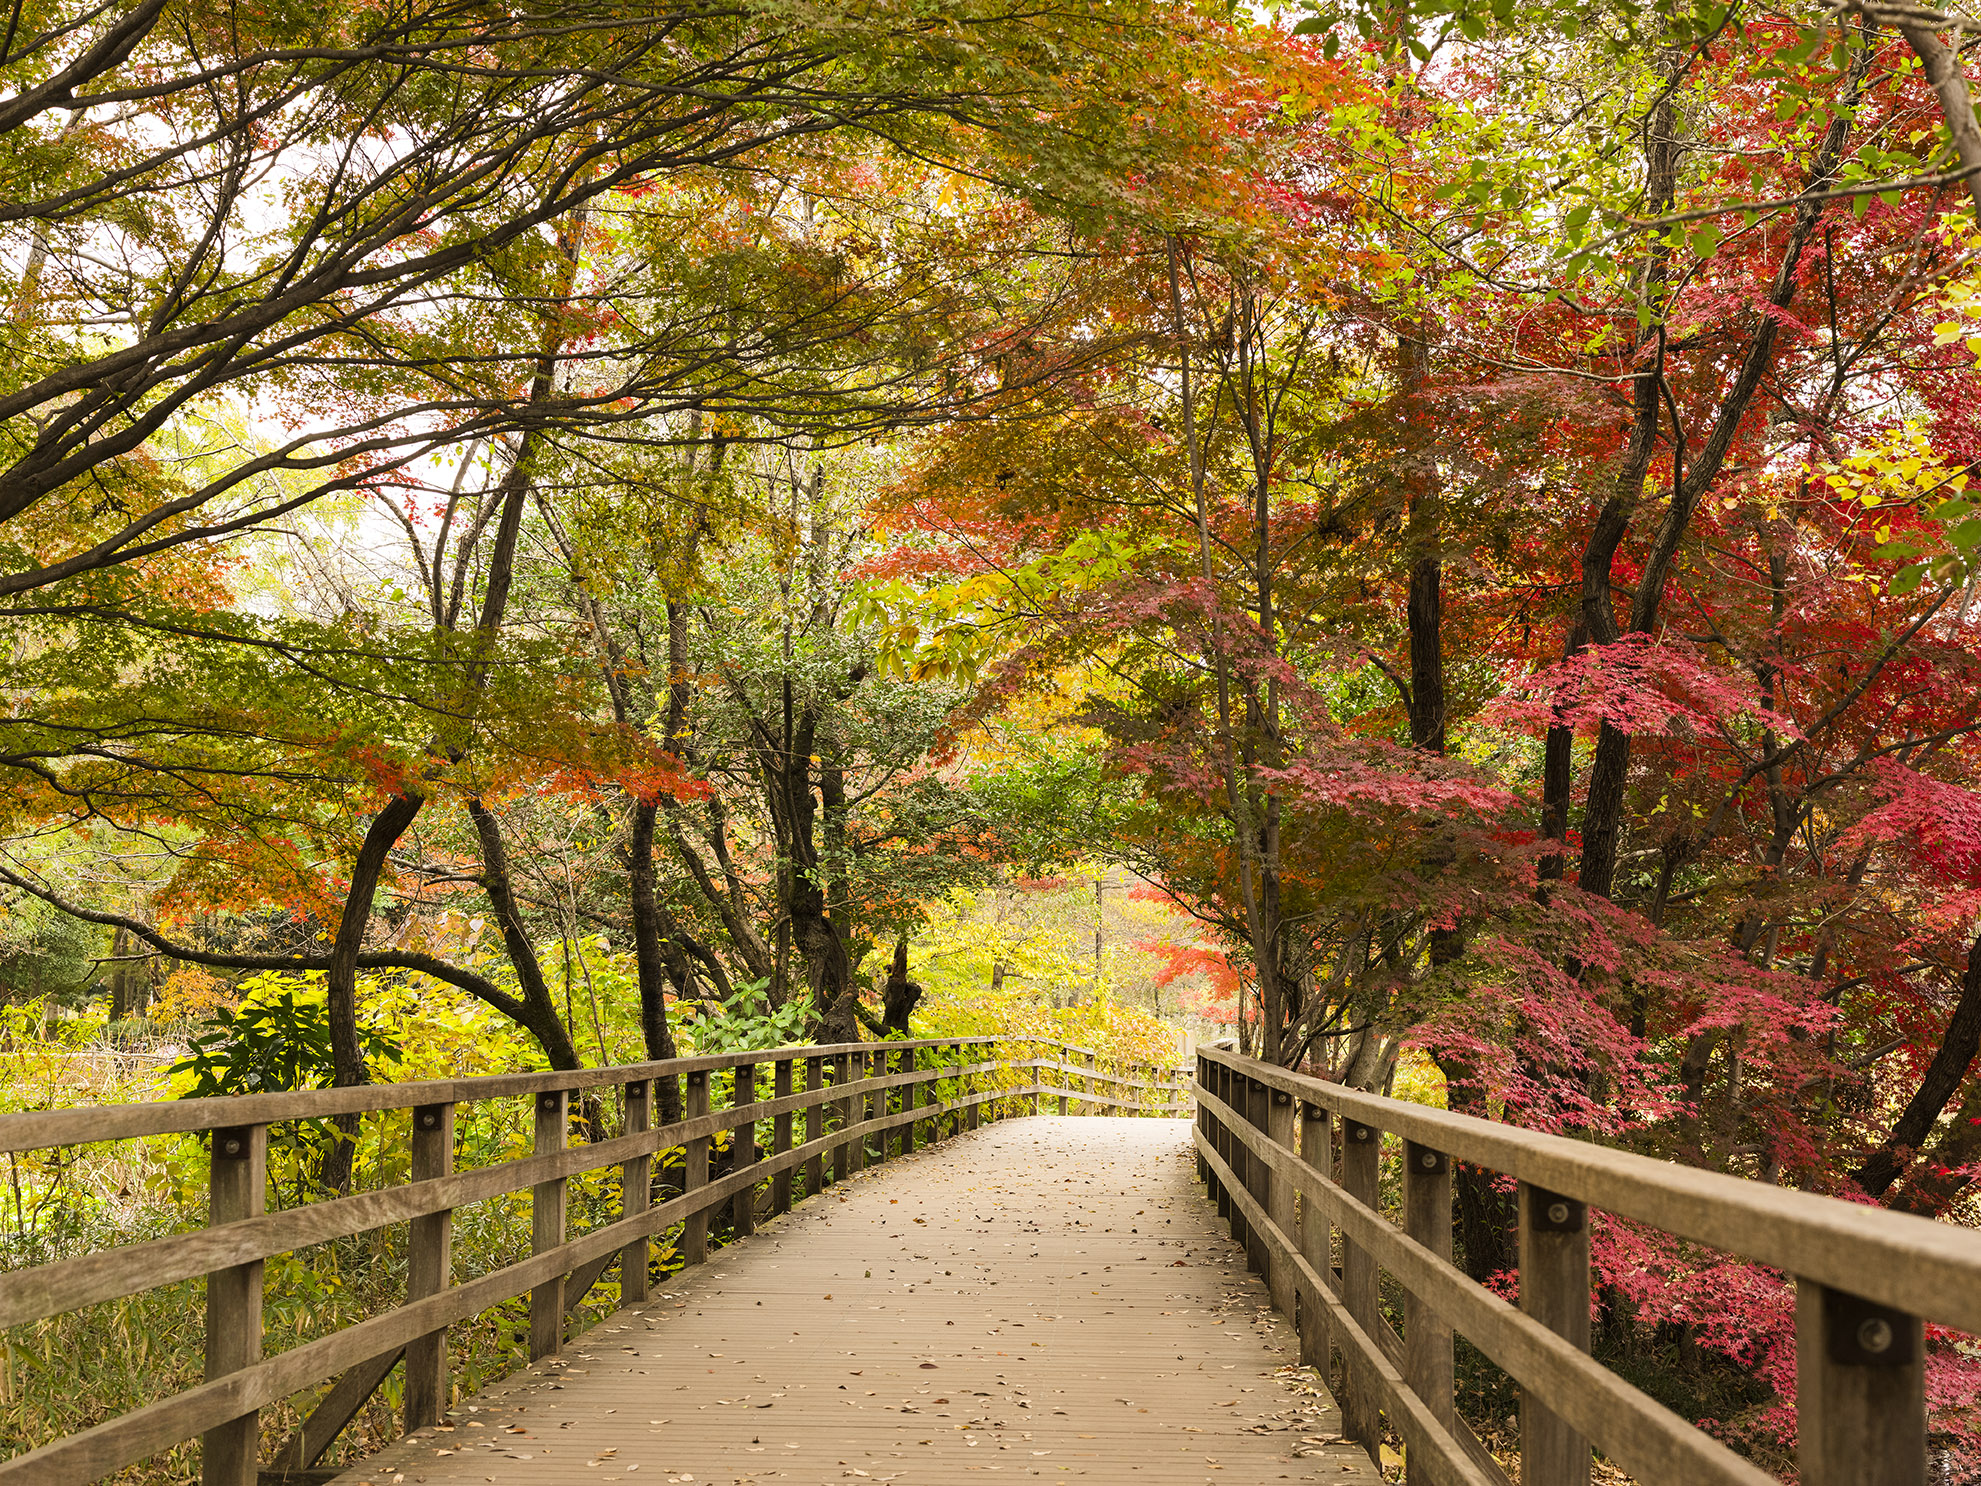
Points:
(1044, 1298)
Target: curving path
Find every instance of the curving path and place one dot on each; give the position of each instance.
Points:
(1042, 1299)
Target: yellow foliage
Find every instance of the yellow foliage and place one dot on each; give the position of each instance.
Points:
(192, 992)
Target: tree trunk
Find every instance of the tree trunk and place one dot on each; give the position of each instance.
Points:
(130, 977)
(1944, 1076)
(648, 955)
(347, 1054)
(540, 1018)
(1486, 1215)
(900, 995)
(1938, 1180)
(1603, 814)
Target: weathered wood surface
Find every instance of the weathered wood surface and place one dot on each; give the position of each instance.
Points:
(1913, 1264)
(41, 1129)
(1040, 1298)
(1858, 1351)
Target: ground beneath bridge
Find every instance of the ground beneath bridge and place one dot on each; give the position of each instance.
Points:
(1044, 1298)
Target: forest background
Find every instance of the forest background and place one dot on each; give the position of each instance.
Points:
(1434, 541)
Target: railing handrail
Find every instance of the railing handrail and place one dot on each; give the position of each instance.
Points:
(1914, 1264)
(1865, 1281)
(862, 1095)
(90, 1124)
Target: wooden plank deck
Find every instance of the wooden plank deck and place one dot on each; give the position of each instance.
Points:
(1044, 1298)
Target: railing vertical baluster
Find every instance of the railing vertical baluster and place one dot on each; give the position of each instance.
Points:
(1316, 1243)
(843, 1155)
(1427, 1353)
(635, 1192)
(1361, 1170)
(429, 1265)
(1279, 1196)
(780, 1184)
(553, 1133)
(237, 1187)
(743, 1151)
(1860, 1375)
(1554, 1290)
(815, 1125)
(694, 1175)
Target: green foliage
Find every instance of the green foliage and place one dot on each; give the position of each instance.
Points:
(45, 954)
(272, 1042)
(745, 1019)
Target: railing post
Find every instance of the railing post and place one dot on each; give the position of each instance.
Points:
(1234, 1155)
(1860, 1375)
(1554, 1290)
(815, 1125)
(694, 1227)
(1061, 1076)
(911, 1098)
(429, 1264)
(780, 1184)
(843, 1159)
(880, 1103)
(932, 1096)
(1258, 1176)
(237, 1188)
(1221, 1142)
(939, 1066)
(1361, 1166)
(932, 1099)
(972, 1112)
(1427, 1353)
(1202, 1076)
(1279, 1198)
(1316, 1243)
(743, 1150)
(635, 1192)
(934, 1092)
(553, 1126)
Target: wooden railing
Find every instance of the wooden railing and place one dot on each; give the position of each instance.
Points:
(1296, 1164)
(892, 1094)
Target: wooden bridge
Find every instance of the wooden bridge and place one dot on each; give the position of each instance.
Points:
(949, 1282)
